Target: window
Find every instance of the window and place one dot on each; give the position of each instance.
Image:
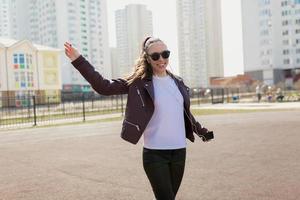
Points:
(285, 42)
(23, 70)
(285, 52)
(16, 61)
(285, 22)
(286, 61)
(285, 32)
(284, 3)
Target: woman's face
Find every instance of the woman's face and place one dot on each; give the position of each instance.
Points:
(158, 57)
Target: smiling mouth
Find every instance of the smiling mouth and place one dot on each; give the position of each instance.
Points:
(161, 65)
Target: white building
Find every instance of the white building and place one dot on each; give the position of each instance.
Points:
(114, 62)
(52, 22)
(4, 18)
(199, 41)
(271, 39)
(133, 24)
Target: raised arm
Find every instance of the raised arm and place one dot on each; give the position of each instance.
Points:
(98, 82)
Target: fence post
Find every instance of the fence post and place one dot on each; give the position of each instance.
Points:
(48, 104)
(28, 106)
(227, 94)
(34, 109)
(198, 95)
(83, 107)
(63, 104)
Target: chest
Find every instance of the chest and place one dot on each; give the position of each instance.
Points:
(167, 94)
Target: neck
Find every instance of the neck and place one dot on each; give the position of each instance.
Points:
(161, 74)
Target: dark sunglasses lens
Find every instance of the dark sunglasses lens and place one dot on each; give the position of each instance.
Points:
(155, 56)
(165, 54)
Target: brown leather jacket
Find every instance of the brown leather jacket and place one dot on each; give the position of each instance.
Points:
(140, 106)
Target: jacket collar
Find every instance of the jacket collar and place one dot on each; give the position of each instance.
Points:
(148, 84)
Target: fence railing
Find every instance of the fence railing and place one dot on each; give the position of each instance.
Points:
(42, 110)
(34, 110)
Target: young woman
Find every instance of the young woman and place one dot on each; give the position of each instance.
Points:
(158, 107)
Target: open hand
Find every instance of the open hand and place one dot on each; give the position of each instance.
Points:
(71, 52)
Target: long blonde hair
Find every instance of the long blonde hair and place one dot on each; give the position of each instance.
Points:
(142, 68)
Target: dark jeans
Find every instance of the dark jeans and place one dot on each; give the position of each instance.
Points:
(164, 169)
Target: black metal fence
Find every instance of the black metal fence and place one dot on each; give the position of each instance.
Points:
(38, 110)
(42, 110)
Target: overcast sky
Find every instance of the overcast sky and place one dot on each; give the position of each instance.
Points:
(165, 27)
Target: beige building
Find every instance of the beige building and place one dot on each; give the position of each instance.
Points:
(28, 69)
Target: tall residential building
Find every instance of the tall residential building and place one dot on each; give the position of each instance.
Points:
(271, 39)
(4, 18)
(133, 24)
(52, 22)
(114, 62)
(199, 41)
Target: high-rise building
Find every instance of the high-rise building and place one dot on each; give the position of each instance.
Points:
(53, 22)
(271, 40)
(4, 18)
(133, 24)
(199, 41)
(114, 62)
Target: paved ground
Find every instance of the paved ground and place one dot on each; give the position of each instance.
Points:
(254, 156)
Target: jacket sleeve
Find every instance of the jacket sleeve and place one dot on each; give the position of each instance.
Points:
(98, 82)
(197, 127)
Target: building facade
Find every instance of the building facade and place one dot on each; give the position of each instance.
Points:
(27, 69)
(199, 41)
(133, 24)
(4, 18)
(53, 22)
(271, 40)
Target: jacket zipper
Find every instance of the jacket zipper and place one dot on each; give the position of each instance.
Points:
(137, 126)
(139, 93)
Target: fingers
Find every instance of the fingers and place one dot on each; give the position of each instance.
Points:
(68, 48)
(71, 51)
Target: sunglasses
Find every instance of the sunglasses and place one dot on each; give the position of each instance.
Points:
(155, 56)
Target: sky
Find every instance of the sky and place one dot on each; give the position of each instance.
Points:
(165, 27)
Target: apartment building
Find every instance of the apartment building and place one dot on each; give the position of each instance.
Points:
(199, 41)
(133, 24)
(271, 40)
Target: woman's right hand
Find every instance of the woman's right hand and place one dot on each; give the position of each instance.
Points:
(71, 52)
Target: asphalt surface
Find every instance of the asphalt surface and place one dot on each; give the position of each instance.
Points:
(255, 156)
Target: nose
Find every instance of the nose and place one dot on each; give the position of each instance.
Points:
(161, 58)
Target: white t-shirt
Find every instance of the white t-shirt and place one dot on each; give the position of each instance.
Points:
(166, 129)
